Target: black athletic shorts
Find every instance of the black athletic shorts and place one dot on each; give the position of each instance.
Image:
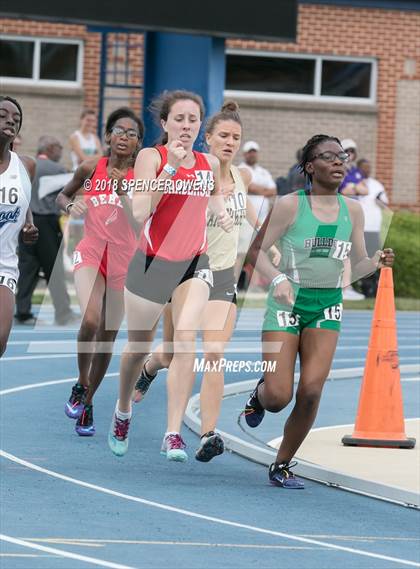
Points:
(224, 286)
(156, 279)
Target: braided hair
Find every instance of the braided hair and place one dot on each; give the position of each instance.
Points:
(12, 100)
(308, 151)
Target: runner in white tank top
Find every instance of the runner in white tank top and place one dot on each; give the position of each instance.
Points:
(84, 143)
(15, 215)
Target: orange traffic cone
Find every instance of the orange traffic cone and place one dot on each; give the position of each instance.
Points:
(380, 417)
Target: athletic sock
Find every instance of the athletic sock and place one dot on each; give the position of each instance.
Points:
(120, 415)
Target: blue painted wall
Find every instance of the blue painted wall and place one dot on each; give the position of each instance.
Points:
(179, 61)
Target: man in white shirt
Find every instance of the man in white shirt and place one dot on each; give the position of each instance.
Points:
(372, 204)
(262, 186)
(261, 189)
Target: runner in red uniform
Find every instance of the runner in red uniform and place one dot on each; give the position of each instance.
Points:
(102, 257)
(172, 194)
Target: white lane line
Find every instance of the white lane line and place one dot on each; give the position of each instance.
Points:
(199, 516)
(46, 384)
(251, 349)
(62, 553)
(45, 357)
(24, 555)
(102, 542)
(34, 344)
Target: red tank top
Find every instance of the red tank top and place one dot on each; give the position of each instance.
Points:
(106, 219)
(177, 229)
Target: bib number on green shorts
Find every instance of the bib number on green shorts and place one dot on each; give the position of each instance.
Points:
(334, 312)
(287, 319)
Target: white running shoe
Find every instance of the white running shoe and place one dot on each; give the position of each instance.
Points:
(350, 294)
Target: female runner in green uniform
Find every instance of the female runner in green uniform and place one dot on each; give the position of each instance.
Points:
(317, 230)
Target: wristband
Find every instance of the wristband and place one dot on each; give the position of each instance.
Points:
(279, 279)
(170, 170)
(68, 206)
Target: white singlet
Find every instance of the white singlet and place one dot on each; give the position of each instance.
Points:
(87, 145)
(15, 195)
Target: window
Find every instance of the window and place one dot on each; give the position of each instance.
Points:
(270, 74)
(345, 79)
(275, 75)
(41, 61)
(16, 58)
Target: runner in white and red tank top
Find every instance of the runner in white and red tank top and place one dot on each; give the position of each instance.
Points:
(102, 257)
(174, 184)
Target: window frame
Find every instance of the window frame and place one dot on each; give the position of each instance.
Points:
(316, 96)
(35, 80)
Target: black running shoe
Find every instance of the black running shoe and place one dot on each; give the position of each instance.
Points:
(281, 475)
(211, 445)
(85, 427)
(254, 412)
(143, 383)
(74, 405)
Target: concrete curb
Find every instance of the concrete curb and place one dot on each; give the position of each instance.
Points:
(265, 455)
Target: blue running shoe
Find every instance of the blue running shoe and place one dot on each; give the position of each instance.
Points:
(118, 435)
(74, 406)
(254, 412)
(173, 447)
(211, 445)
(281, 475)
(85, 426)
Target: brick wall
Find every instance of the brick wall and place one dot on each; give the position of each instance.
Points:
(407, 142)
(281, 128)
(51, 110)
(390, 36)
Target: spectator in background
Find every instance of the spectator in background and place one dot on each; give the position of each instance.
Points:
(261, 191)
(50, 177)
(84, 142)
(262, 186)
(295, 179)
(372, 204)
(353, 184)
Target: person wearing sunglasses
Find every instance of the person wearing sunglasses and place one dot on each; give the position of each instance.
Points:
(316, 229)
(101, 258)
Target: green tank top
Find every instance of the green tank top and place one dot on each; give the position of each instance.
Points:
(313, 252)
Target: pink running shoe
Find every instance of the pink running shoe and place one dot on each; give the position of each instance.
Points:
(173, 447)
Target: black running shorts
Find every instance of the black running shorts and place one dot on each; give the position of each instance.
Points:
(156, 279)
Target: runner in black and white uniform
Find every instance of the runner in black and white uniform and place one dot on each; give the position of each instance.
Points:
(16, 174)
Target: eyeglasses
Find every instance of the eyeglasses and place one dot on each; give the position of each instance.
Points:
(329, 156)
(130, 132)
